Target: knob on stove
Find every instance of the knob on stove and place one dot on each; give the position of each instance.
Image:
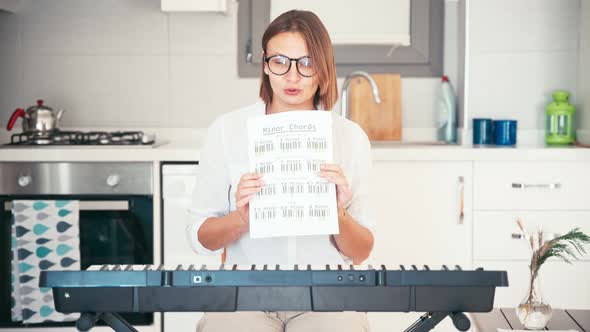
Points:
(113, 180)
(24, 180)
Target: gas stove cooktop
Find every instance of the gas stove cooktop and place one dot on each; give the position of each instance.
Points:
(82, 138)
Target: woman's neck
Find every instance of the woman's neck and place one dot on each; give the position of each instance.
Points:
(277, 107)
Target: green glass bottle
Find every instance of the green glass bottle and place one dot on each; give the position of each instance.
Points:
(559, 120)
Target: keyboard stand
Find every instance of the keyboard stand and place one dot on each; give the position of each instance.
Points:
(430, 319)
(88, 319)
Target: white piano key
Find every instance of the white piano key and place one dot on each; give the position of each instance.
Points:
(333, 267)
(228, 267)
(318, 267)
(212, 267)
(345, 267)
(244, 267)
(287, 267)
(94, 268)
(360, 267)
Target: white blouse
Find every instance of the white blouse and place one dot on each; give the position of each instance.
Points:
(224, 159)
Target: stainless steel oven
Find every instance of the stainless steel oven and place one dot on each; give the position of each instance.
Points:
(115, 218)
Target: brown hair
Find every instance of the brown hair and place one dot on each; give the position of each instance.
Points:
(320, 48)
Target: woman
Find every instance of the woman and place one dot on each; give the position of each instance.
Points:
(298, 73)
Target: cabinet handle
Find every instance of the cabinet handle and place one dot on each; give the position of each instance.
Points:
(461, 200)
(555, 185)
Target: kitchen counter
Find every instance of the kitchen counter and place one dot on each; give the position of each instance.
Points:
(179, 150)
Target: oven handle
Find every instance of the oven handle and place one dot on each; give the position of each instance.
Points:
(92, 206)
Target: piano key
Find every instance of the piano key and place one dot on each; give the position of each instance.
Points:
(333, 267)
(339, 267)
(230, 267)
(296, 267)
(160, 267)
(129, 267)
(446, 268)
(457, 267)
(191, 267)
(203, 267)
(401, 267)
(327, 267)
(179, 267)
(221, 267)
(318, 267)
(370, 267)
(148, 268)
(287, 267)
(212, 267)
(383, 267)
(414, 267)
(360, 267)
(243, 267)
(94, 268)
(265, 267)
(309, 266)
(426, 268)
(277, 267)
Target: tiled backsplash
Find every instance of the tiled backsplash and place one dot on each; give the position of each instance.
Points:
(124, 63)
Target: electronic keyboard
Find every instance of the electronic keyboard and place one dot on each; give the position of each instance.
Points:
(111, 289)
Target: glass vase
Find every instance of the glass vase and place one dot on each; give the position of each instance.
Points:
(533, 313)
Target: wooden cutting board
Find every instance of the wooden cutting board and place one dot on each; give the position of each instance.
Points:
(381, 122)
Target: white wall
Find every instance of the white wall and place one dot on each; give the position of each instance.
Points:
(584, 73)
(520, 52)
(125, 63)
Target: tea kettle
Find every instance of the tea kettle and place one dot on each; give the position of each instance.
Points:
(40, 119)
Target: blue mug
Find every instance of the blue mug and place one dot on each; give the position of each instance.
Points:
(482, 131)
(505, 132)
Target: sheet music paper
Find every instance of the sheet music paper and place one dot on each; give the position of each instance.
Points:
(288, 149)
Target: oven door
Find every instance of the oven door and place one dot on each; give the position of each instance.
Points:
(113, 230)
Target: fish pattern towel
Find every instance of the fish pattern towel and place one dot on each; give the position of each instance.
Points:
(45, 236)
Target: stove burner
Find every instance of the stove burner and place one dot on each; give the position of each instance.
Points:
(82, 138)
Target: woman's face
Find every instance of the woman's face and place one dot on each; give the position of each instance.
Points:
(291, 90)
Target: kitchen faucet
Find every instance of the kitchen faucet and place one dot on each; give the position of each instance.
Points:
(346, 90)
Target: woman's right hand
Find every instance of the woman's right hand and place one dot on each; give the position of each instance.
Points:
(249, 185)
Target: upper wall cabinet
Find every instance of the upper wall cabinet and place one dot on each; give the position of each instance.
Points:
(9, 5)
(395, 36)
(211, 6)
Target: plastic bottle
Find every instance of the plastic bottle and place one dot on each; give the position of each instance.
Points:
(446, 108)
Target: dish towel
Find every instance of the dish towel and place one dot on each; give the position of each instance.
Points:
(45, 236)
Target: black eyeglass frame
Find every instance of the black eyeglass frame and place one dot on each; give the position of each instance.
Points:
(267, 59)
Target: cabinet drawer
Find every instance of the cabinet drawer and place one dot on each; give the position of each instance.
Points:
(562, 285)
(531, 186)
(492, 231)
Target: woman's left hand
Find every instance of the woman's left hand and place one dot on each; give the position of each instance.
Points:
(334, 174)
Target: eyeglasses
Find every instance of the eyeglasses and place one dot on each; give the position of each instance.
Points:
(280, 65)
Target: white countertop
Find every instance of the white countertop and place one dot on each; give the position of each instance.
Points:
(179, 150)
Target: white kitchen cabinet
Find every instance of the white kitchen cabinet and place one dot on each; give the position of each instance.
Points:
(547, 194)
(419, 212)
(417, 206)
(178, 182)
(216, 6)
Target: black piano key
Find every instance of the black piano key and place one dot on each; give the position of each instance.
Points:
(309, 266)
(351, 267)
(265, 267)
(383, 267)
(191, 267)
(339, 267)
(457, 267)
(147, 267)
(426, 268)
(446, 268)
(296, 267)
(117, 267)
(203, 267)
(179, 267)
(401, 267)
(277, 267)
(160, 267)
(328, 267)
(253, 268)
(414, 267)
(129, 268)
(104, 268)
